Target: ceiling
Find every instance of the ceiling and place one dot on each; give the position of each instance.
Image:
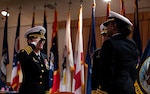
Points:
(27, 7)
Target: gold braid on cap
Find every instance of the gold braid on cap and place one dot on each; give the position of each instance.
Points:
(110, 19)
(41, 35)
(41, 32)
(37, 35)
(103, 32)
(34, 35)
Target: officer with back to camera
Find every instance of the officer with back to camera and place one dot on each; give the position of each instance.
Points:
(117, 69)
(96, 60)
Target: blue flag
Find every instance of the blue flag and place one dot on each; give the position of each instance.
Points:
(144, 72)
(44, 50)
(90, 51)
(136, 33)
(5, 58)
(146, 52)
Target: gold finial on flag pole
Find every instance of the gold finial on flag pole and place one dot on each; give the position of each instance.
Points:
(55, 4)
(94, 3)
(81, 1)
(70, 3)
(20, 8)
(108, 8)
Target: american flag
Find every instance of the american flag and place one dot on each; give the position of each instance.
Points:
(16, 64)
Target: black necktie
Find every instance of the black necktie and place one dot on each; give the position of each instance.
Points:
(39, 57)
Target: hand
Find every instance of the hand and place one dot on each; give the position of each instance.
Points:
(35, 40)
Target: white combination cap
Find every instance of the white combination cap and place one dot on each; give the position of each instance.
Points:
(103, 29)
(113, 16)
(37, 31)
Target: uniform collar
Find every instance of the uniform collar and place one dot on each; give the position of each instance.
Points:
(116, 34)
(37, 54)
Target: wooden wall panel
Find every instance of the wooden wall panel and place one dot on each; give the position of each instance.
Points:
(144, 25)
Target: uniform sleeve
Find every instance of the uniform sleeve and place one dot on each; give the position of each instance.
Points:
(24, 54)
(95, 69)
(107, 61)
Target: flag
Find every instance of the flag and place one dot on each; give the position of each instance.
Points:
(5, 54)
(146, 52)
(122, 9)
(142, 85)
(54, 65)
(136, 32)
(108, 9)
(33, 18)
(44, 50)
(90, 50)
(78, 80)
(16, 64)
(67, 64)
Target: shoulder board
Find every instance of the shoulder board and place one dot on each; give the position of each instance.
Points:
(27, 49)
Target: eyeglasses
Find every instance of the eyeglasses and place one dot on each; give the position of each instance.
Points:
(42, 41)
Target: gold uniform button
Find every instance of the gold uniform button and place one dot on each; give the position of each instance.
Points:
(40, 82)
(22, 50)
(42, 71)
(41, 65)
(41, 76)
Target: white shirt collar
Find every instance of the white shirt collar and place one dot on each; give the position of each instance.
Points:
(116, 34)
(38, 54)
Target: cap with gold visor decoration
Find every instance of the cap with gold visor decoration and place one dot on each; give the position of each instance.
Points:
(37, 31)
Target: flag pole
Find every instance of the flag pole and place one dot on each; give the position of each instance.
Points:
(33, 17)
(108, 9)
(122, 8)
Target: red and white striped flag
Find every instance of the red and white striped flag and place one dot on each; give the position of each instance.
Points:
(67, 64)
(78, 80)
(16, 64)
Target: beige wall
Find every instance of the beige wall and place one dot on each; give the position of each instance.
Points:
(144, 31)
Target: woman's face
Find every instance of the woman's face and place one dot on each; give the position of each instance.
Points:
(111, 28)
